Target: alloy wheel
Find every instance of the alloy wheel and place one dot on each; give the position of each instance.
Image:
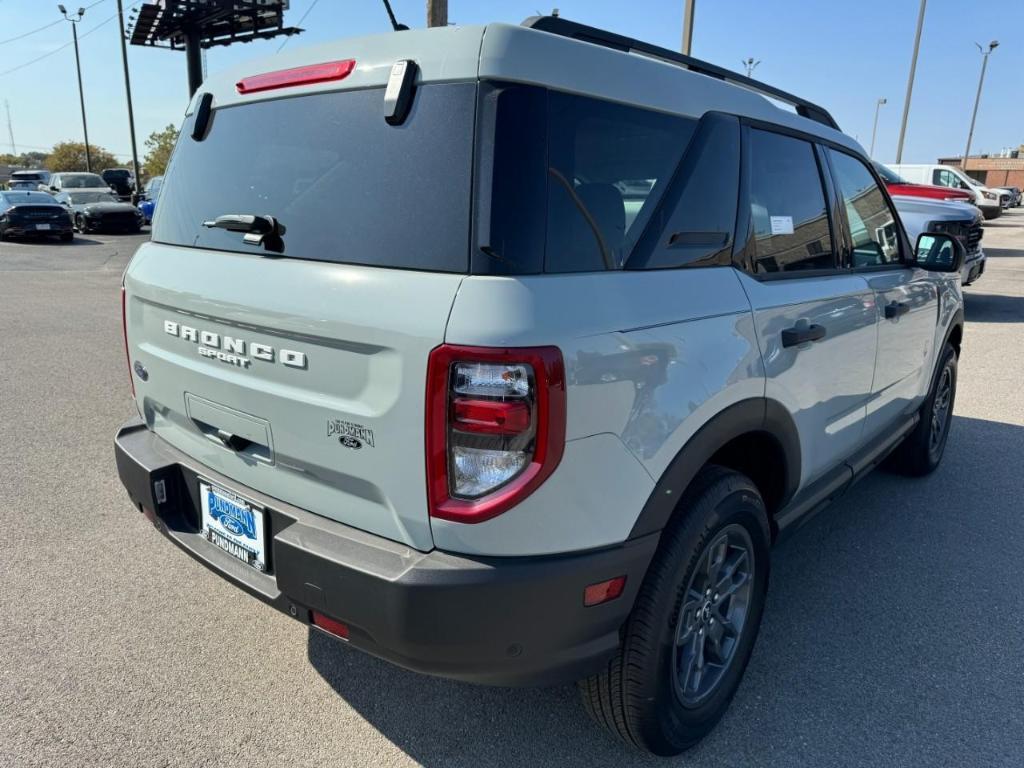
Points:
(713, 614)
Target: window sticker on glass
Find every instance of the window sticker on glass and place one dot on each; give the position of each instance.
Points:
(782, 225)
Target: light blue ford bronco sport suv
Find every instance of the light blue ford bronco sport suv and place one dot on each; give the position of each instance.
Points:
(506, 354)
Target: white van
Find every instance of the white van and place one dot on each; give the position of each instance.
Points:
(949, 176)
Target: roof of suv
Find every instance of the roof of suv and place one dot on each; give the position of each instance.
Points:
(519, 54)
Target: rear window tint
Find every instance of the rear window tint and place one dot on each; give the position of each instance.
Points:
(347, 186)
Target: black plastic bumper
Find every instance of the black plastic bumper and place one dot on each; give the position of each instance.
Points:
(499, 621)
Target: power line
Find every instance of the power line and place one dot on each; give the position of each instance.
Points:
(45, 26)
(302, 19)
(66, 45)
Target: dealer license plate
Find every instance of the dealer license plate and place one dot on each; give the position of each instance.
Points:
(234, 525)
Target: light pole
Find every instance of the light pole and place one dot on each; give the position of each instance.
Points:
(751, 65)
(131, 113)
(78, 66)
(688, 26)
(981, 81)
(910, 81)
(874, 128)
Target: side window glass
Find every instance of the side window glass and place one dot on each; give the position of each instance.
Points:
(787, 206)
(608, 164)
(871, 220)
(694, 224)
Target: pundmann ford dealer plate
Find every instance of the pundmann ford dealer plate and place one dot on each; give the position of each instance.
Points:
(234, 525)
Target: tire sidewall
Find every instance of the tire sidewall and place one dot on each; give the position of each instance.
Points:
(949, 360)
(680, 726)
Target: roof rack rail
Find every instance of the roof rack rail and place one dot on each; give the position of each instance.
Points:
(571, 29)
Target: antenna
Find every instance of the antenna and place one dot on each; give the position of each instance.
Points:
(394, 22)
(10, 128)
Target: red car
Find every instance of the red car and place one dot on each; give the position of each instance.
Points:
(900, 186)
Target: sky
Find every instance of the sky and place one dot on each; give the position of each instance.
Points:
(841, 54)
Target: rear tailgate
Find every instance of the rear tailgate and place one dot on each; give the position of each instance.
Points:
(313, 372)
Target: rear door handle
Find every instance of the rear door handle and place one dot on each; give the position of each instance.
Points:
(791, 337)
(895, 308)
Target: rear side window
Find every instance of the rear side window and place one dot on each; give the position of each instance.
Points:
(870, 219)
(787, 205)
(571, 181)
(347, 186)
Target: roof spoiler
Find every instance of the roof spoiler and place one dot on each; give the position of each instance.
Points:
(571, 29)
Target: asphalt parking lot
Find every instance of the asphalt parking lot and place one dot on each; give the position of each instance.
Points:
(894, 634)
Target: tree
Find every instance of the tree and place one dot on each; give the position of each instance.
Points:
(158, 150)
(70, 156)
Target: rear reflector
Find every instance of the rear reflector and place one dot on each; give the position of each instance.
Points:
(328, 624)
(285, 78)
(604, 591)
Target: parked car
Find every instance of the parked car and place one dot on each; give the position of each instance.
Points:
(121, 181)
(59, 182)
(1011, 196)
(962, 220)
(949, 176)
(30, 213)
(38, 177)
(484, 419)
(897, 185)
(150, 193)
(94, 210)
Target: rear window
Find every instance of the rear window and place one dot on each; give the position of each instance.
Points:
(347, 186)
(26, 176)
(573, 180)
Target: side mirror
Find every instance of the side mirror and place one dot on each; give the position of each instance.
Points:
(939, 252)
(54, 189)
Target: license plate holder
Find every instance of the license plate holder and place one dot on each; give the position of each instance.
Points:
(234, 525)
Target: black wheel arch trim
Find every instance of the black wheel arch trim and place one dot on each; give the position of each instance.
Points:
(754, 415)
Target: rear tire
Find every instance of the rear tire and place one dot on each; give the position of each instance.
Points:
(921, 451)
(686, 644)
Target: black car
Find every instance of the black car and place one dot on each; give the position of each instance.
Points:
(93, 210)
(33, 214)
(121, 181)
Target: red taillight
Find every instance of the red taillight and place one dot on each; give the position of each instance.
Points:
(495, 427)
(333, 626)
(490, 417)
(285, 78)
(124, 336)
(604, 591)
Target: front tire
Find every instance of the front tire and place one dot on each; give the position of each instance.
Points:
(921, 451)
(691, 632)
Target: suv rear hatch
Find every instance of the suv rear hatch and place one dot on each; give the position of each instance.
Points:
(297, 366)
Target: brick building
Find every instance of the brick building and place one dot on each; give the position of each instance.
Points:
(993, 170)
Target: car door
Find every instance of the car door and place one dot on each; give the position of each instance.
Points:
(906, 297)
(815, 320)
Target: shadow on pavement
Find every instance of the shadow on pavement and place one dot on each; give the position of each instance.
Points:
(993, 307)
(892, 614)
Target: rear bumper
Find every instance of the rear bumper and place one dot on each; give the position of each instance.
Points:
(498, 621)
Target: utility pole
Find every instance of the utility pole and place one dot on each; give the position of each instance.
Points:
(437, 13)
(910, 81)
(10, 127)
(981, 81)
(78, 66)
(688, 26)
(874, 128)
(750, 65)
(128, 95)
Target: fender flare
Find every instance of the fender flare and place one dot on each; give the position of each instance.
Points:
(752, 415)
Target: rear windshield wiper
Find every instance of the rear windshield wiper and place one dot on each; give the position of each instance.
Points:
(259, 230)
